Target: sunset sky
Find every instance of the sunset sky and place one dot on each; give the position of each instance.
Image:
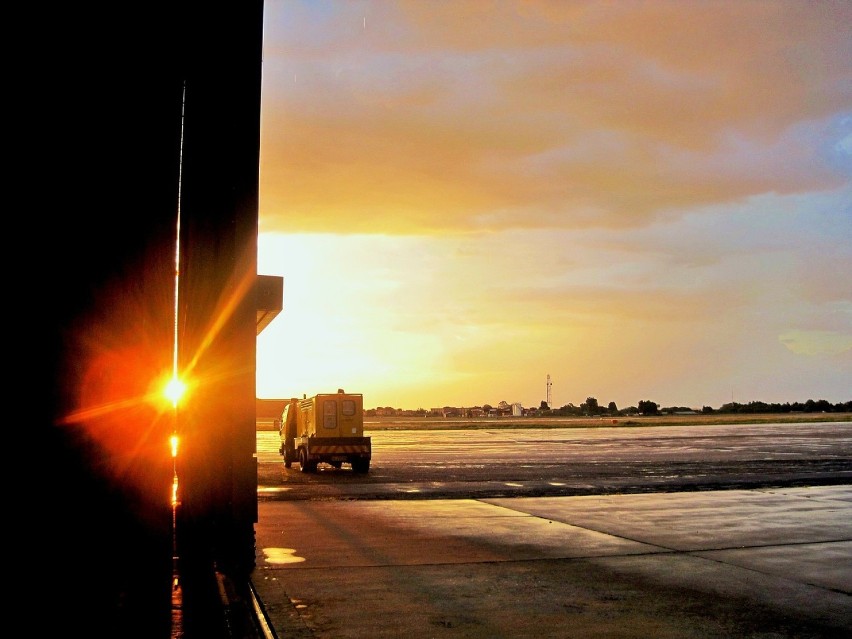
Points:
(643, 200)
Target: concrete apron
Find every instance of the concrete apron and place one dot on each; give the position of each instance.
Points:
(762, 563)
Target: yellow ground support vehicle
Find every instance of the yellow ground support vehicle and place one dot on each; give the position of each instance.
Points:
(326, 428)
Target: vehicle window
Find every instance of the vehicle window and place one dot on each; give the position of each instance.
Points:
(329, 413)
(348, 407)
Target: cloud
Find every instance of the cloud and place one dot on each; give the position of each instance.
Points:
(636, 197)
(816, 342)
(480, 116)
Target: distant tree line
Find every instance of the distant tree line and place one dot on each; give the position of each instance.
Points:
(810, 406)
(591, 407)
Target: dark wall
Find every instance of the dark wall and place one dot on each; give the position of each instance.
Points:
(105, 100)
(218, 278)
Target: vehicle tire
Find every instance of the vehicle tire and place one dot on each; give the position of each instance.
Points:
(303, 460)
(287, 464)
(361, 465)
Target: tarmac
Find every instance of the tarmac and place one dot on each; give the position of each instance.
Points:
(730, 563)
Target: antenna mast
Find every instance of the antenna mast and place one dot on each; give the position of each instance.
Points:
(549, 397)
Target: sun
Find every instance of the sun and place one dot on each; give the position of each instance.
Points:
(174, 390)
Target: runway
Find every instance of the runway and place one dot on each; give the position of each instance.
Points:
(732, 563)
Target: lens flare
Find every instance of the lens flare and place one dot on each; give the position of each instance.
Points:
(174, 390)
(175, 501)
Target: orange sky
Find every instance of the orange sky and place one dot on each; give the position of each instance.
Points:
(647, 201)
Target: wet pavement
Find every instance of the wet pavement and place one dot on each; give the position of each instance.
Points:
(731, 563)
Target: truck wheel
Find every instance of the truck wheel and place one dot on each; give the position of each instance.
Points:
(305, 465)
(287, 464)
